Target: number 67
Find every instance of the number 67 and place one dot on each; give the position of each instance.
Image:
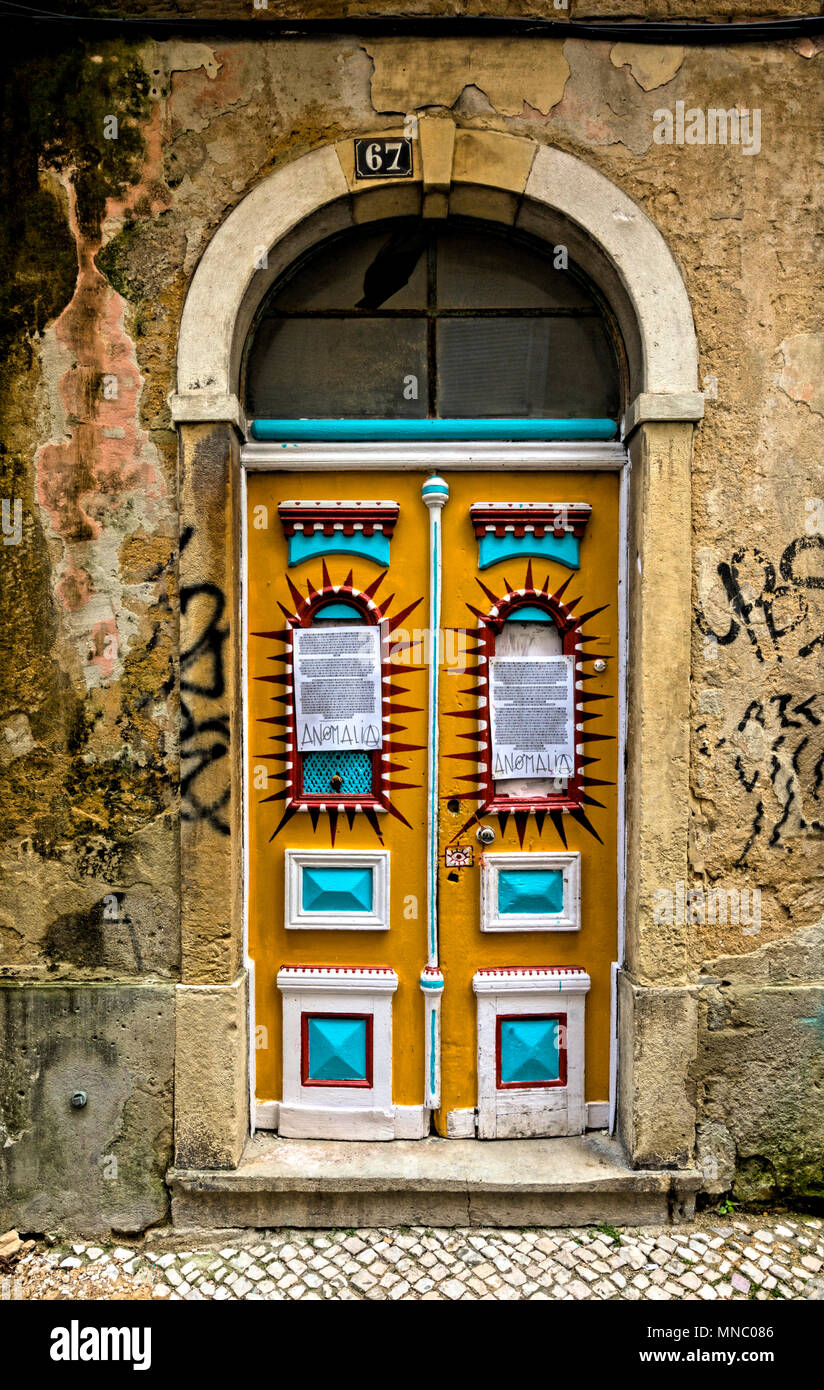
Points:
(375, 155)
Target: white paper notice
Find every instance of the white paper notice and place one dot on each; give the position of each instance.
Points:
(338, 688)
(533, 716)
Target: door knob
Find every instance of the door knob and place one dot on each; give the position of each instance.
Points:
(486, 835)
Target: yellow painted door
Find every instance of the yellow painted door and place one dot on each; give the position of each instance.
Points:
(340, 922)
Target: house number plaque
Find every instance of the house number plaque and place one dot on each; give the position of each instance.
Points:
(383, 159)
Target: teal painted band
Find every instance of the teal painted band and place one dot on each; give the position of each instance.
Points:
(434, 986)
(529, 613)
(342, 612)
(308, 547)
(564, 549)
(295, 431)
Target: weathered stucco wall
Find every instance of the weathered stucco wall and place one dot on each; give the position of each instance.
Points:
(103, 717)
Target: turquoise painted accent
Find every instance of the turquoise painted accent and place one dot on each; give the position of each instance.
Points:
(435, 487)
(433, 1035)
(530, 613)
(308, 547)
(336, 889)
(341, 612)
(337, 1049)
(530, 892)
(565, 549)
(289, 431)
(529, 1050)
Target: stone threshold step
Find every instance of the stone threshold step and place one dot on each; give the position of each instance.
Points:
(320, 1183)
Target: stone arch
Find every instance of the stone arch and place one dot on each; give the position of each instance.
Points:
(484, 174)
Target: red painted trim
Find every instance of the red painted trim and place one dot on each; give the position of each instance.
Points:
(500, 516)
(305, 1079)
(326, 518)
(340, 970)
(562, 1054)
(540, 970)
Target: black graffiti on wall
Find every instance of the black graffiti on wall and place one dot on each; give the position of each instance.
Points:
(779, 761)
(768, 602)
(204, 726)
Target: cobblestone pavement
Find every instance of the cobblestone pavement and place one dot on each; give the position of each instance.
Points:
(716, 1258)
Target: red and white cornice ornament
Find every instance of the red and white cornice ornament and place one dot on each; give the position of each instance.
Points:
(346, 518)
(530, 518)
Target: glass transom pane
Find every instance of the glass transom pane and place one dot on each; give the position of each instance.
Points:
(411, 320)
(524, 367)
(338, 368)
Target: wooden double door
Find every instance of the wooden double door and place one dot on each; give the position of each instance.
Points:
(432, 799)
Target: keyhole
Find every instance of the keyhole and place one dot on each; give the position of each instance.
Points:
(336, 782)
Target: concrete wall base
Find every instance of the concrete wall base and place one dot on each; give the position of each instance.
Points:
(92, 1168)
(442, 1182)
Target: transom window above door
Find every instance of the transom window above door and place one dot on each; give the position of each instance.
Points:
(412, 320)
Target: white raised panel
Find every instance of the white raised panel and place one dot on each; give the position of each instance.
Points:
(299, 917)
(493, 865)
(531, 1112)
(331, 1111)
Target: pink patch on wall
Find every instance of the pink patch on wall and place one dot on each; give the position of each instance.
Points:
(97, 474)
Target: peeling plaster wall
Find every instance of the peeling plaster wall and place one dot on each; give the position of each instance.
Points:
(90, 722)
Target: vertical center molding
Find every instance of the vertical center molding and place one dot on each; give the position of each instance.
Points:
(435, 493)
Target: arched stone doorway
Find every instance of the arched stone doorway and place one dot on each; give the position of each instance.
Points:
(548, 194)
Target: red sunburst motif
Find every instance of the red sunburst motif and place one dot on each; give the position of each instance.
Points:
(478, 754)
(385, 769)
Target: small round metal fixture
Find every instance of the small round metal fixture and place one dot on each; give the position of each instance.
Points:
(78, 1099)
(486, 835)
(600, 665)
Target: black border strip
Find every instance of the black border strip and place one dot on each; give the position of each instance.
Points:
(410, 26)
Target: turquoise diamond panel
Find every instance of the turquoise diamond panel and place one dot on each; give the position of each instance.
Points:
(337, 1049)
(337, 889)
(530, 892)
(529, 1050)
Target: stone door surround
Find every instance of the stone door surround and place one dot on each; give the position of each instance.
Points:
(514, 181)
